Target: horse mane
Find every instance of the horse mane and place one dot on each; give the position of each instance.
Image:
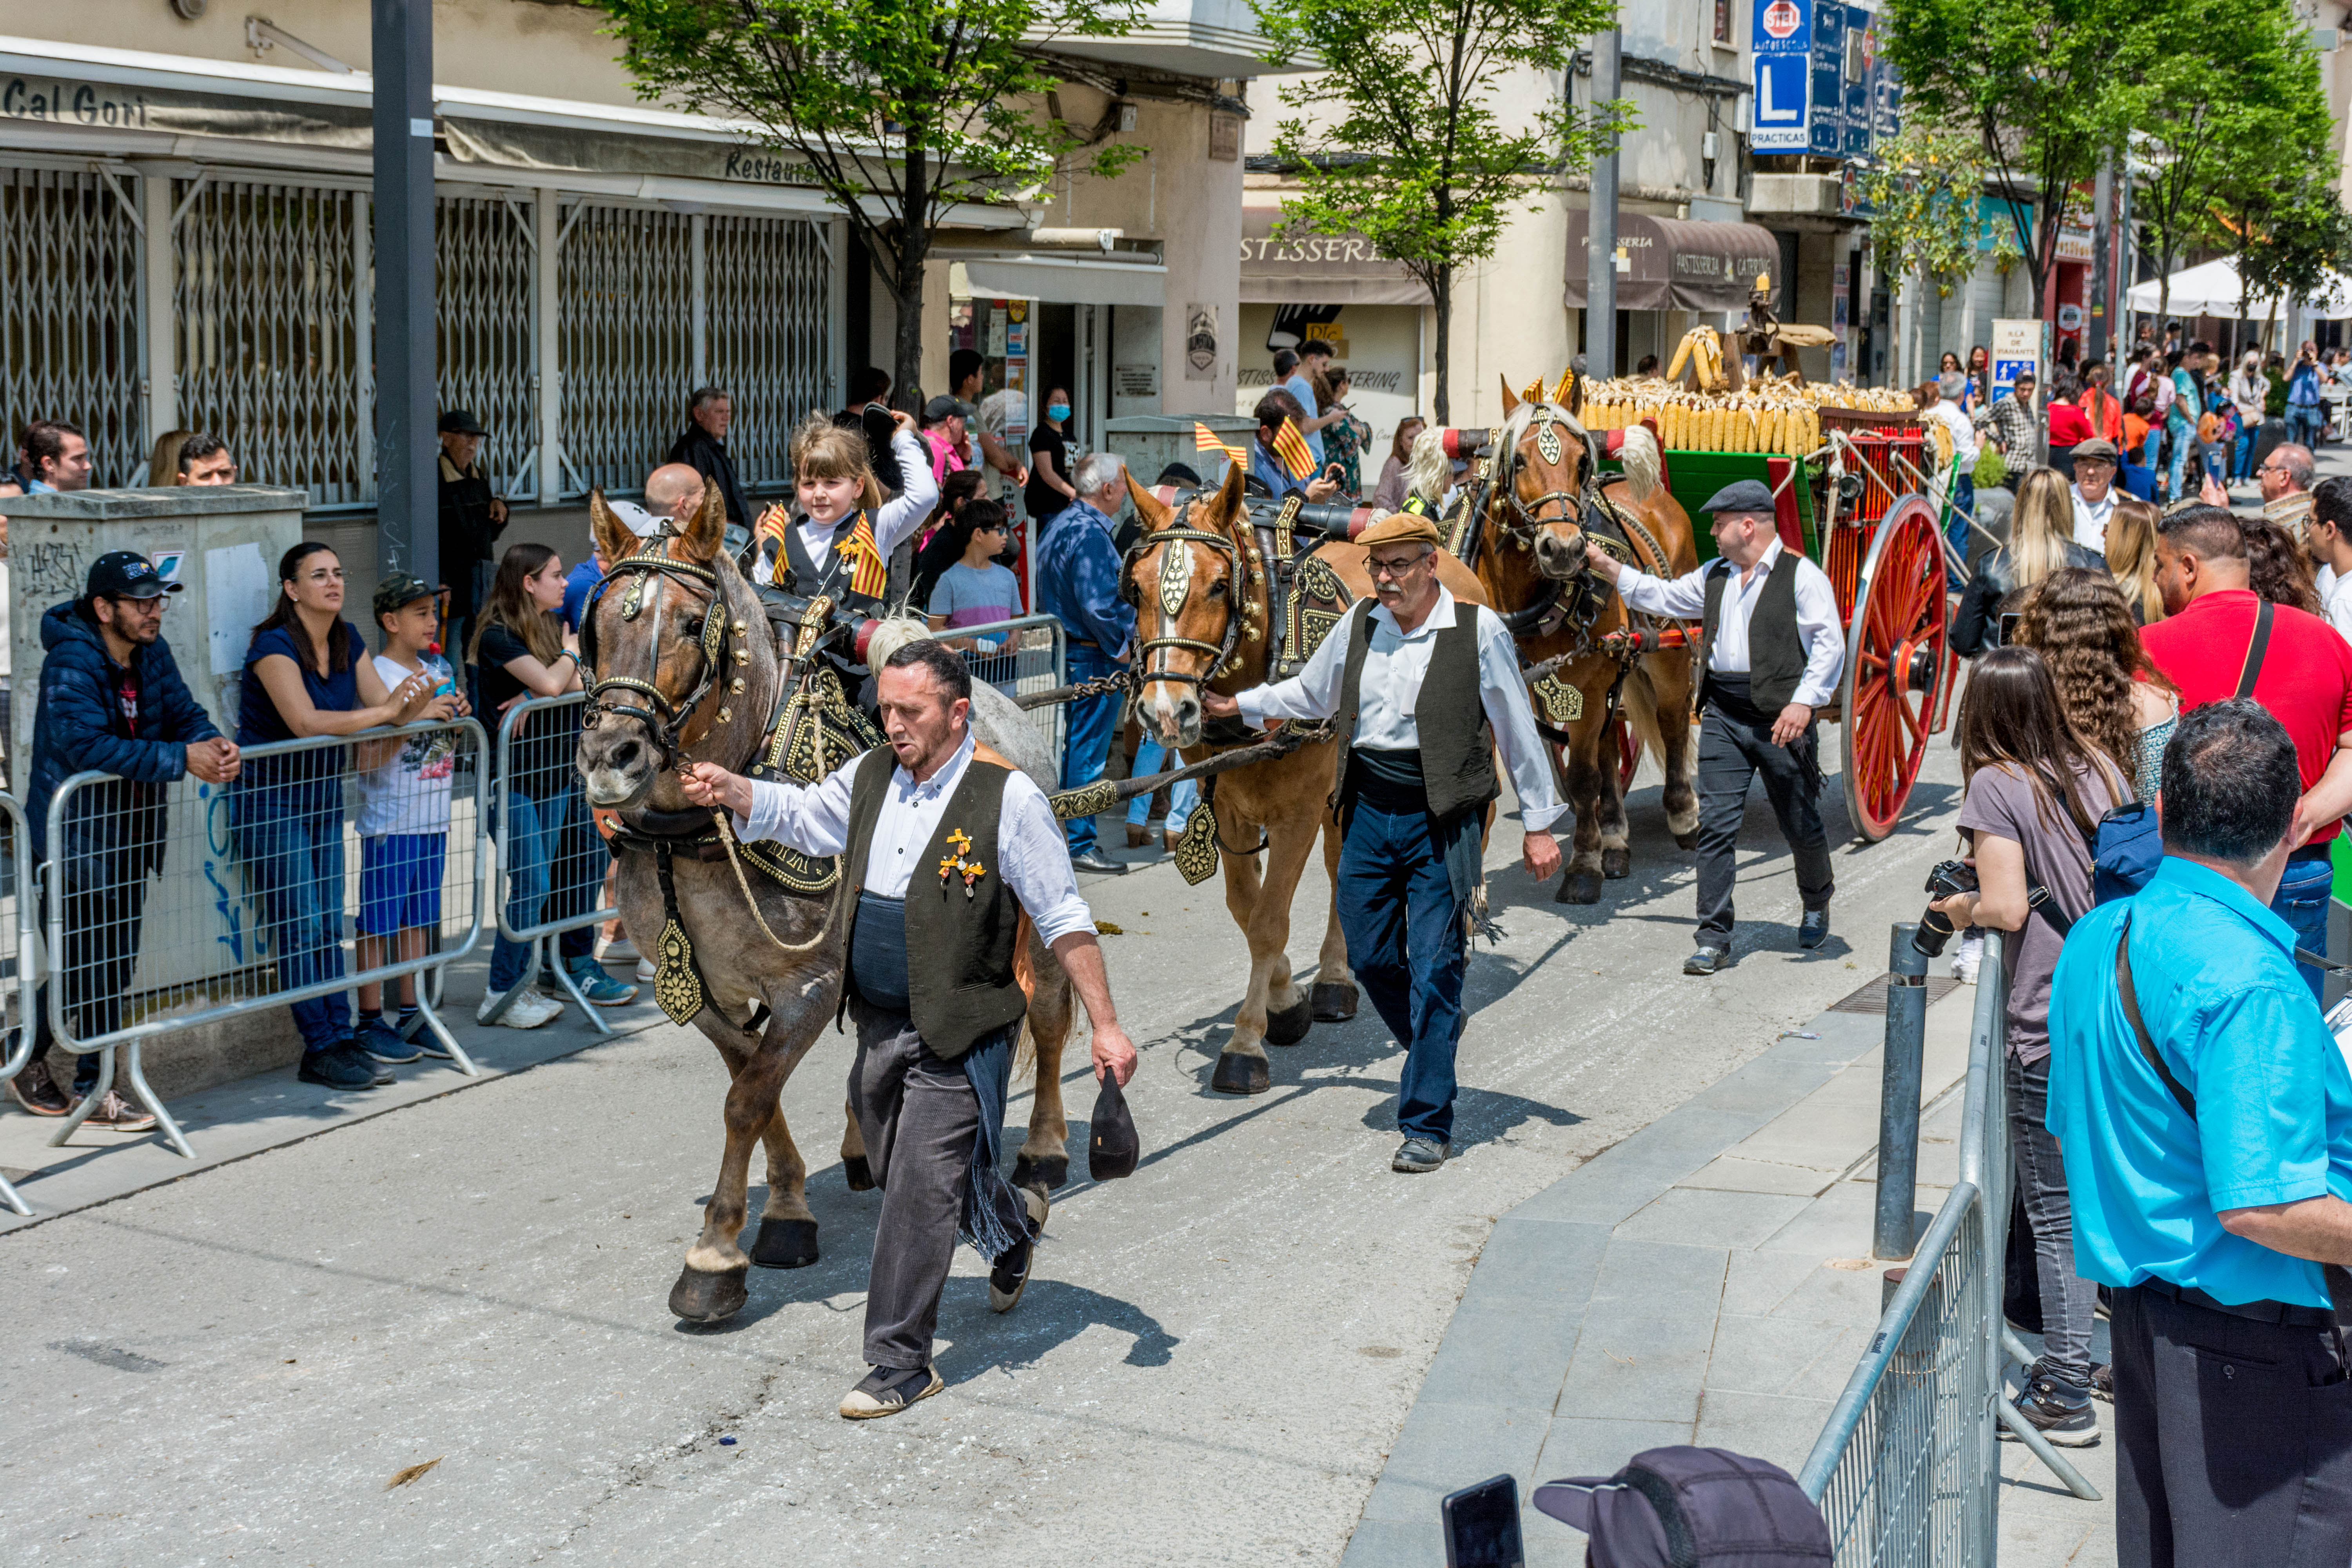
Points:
(891, 635)
(1427, 469)
(1638, 450)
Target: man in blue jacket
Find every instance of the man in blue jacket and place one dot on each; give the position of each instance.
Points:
(112, 701)
(1077, 580)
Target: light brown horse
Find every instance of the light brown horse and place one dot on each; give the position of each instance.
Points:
(1211, 626)
(684, 667)
(1547, 493)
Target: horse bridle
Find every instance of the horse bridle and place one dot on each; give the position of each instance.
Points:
(1524, 519)
(1174, 586)
(664, 718)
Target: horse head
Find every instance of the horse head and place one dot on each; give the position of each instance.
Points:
(1187, 578)
(671, 640)
(1547, 474)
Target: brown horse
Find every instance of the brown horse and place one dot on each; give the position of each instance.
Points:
(1203, 619)
(686, 669)
(1547, 495)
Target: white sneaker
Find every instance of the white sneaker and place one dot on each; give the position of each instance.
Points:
(1965, 959)
(620, 950)
(645, 970)
(528, 1011)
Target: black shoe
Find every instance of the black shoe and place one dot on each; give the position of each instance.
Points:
(1418, 1155)
(336, 1067)
(383, 1042)
(2060, 1411)
(1010, 1277)
(887, 1390)
(378, 1074)
(1814, 929)
(1706, 960)
(1092, 860)
(2103, 1382)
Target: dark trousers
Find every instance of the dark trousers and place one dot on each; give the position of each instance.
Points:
(920, 1120)
(1093, 724)
(105, 901)
(1404, 928)
(2069, 1301)
(1734, 746)
(2236, 1438)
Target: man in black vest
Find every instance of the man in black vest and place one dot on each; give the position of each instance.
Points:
(1769, 650)
(1425, 695)
(945, 846)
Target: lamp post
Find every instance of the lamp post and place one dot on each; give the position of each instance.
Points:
(407, 509)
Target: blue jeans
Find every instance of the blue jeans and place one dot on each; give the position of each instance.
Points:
(1404, 928)
(296, 863)
(1149, 758)
(2184, 437)
(534, 836)
(2242, 460)
(2304, 422)
(2301, 902)
(2151, 448)
(1091, 722)
(1964, 507)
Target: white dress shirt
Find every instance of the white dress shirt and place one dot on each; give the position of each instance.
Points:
(1032, 855)
(1683, 598)
(2336, 600)
(2091, 519)
(1394, 667)
(894, 521)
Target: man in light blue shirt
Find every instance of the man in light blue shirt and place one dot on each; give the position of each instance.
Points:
(1078, 570)
(56, 457)
(2205, 1114)
(1301, 387)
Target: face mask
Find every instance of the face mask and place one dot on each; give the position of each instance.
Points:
(1058, 410)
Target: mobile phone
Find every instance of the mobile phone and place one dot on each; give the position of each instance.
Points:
(2009, 623)
(1482, 1525)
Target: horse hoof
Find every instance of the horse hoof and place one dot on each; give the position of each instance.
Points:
(1616, 863)
(1241, 1075)
(1578, 888)
(707, 1296)
(1290, 1026)
(1044, 1176)
(860, 1174)
(1334, 1002)
(1686, 840)
(785, 1244)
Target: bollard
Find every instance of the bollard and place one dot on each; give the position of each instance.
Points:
(1898, 1095)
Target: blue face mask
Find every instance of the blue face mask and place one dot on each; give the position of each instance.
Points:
(1057, 410)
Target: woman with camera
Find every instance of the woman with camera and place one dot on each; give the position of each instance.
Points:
(2036, 790)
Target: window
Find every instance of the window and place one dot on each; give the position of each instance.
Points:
(1723, 21)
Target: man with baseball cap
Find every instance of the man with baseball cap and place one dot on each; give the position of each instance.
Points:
(1770, 647)
(2094, 491)
(943, 432)
(111, 700)
(1426, 689)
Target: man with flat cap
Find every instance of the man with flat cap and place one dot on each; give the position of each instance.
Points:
(1425, 690)
(1769, 651)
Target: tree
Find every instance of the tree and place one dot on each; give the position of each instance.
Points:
(2216, 84)
(2036, 82)
(1924, 188)
(2291, 234)
(920, 103)
(1405, 145)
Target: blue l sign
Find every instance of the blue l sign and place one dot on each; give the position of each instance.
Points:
(1781, 88)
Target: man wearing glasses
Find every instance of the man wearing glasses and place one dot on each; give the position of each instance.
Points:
(1426, 690)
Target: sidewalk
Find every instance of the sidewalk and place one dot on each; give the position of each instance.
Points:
(268, 1110)
(1705, 1281)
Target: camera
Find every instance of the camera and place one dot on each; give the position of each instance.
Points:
(1945, 878)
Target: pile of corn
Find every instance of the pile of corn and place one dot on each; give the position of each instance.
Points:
(1773, 414)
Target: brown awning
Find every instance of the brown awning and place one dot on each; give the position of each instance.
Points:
(1319, 268)
(1678, 264)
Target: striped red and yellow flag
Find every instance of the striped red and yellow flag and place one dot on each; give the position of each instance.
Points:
(773, 523)
(1292, 449)
(1205, 440)
(869, 572)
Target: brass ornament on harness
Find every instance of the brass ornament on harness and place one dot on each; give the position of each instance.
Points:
(1196, 852)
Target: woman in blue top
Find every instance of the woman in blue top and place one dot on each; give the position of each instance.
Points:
(308, 673)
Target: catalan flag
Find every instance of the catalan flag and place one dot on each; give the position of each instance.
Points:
(870, 573)
(1205, 440)
(773, 523)
(1292, 449)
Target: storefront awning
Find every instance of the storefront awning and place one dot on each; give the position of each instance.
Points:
(1319, 268)
(1678, 264)
(1063, 280)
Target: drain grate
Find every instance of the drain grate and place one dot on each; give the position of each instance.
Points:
(1871, 998)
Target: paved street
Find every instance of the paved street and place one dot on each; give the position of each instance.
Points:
(1212, 1366)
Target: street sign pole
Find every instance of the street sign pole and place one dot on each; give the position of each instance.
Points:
(1601, 252)
(407, 509)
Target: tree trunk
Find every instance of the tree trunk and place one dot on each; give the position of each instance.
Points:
(2164, 291)
(914, 247)
(1443, 294)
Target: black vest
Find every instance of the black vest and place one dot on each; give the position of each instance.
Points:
(1776, 650)
(1457, 742)
(964, 986)
(833, 577)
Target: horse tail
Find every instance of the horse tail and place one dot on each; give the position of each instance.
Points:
(1641, 707)
(1427, 470)
(1638, 450)
(1024, 1053)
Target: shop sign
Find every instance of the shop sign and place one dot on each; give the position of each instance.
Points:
(2016, 350)
(1135, 381)
(1200, 343)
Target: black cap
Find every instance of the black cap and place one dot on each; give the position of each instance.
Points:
(461, 422)
(401, 590)
(943, 406)
(1693, 1507)
(127, 574)
(1112, 1147)
(1742, 495)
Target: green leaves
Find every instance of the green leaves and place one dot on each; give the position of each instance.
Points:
(1926, 186)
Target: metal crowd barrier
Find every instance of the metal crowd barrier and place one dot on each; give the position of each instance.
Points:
(553, 860)
(1025, 655)
(20, 948)
(1907, 1467)
(173, 906)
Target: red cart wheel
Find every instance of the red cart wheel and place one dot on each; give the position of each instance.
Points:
(1628, 755)
(1894, 662)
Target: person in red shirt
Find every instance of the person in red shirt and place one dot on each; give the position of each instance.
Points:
(2067, 424)
(2101, 409)
(2302, 674)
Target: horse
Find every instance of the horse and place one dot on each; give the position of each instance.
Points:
(683, 666)
(1546, 495)
(1201, 581)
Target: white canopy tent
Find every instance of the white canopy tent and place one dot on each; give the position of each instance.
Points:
(2211, 288)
